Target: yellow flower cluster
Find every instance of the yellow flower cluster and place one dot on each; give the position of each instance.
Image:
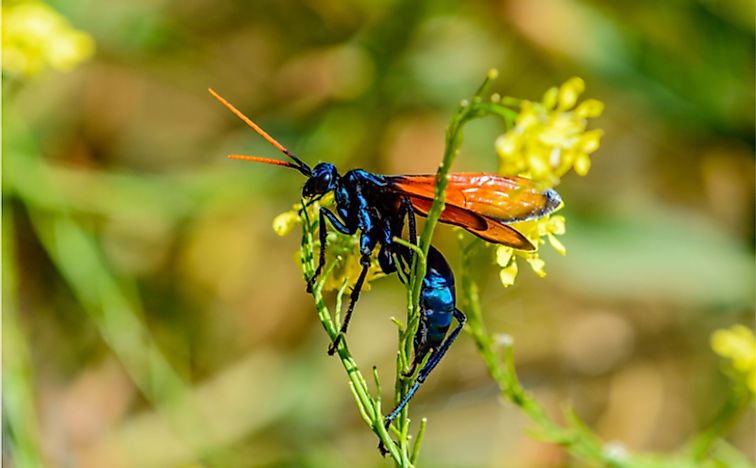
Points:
(549, 138)
(343, 249)
(738, 344)
(35, 37)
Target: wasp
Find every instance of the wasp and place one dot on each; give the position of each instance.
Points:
(376, 206)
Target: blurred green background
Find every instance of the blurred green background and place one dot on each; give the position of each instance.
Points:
(153, 318)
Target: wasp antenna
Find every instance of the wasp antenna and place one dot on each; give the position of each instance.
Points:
(261, 159)
(303, 168)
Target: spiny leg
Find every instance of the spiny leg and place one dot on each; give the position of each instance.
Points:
(411, 227)
(403, 255)
(321, 259)
(421, 346)
(353, 300)
(323, 233)
(429, 366)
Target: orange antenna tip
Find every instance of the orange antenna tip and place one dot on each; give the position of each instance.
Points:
(249, 122)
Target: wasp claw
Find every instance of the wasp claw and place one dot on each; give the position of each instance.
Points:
(382, 449)
(332, 348)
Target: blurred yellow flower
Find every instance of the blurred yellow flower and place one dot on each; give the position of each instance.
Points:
(738, 344)
(548, 139)
(285, 222)
(35, 37)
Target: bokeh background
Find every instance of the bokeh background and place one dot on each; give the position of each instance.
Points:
(153, 318)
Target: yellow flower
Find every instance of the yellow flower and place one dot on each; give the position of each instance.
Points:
(550, 138)
(505, 259)
(35, 37)
(345, 250)
(739, 346)
(536, 230)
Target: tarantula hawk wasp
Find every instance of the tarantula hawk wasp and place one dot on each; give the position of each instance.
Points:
(376, 206)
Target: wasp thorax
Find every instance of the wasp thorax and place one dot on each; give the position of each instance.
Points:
(322, 180)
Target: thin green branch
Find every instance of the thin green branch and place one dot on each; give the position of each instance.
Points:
(574, 436)
(737, 402)
(503, 372)
(512, 390)
(19, 411)
(466, 111)
(419, 440)
(369, 407)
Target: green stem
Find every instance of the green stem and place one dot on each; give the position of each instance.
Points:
(19, 408)
(575, 439)
(419, 440)
(738, 401)
(466, 111)
(369, 407)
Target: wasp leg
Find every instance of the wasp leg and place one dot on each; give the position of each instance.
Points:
(325, 213)
(421, 346)
(429, 366)
(404, 256)
(353, 300)
(409, 211)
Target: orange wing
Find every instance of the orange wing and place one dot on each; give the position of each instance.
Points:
(504, 199)
(482, 203)
(486, 228)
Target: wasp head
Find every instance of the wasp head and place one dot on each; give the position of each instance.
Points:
(322, 180)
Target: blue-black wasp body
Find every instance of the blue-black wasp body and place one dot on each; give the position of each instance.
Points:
(364, 204)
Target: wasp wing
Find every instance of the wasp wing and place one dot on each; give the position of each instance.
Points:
(486, 228)
(504, 199)
(482, 203)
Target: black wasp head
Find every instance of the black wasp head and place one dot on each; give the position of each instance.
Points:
(322, 180)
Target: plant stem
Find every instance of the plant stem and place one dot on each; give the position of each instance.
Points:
(738, 400)
(369, 407)
(21, 421)
(575, 437)
(466, 111)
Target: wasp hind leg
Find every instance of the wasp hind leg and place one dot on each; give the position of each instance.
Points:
(409, 211)
(433, 361)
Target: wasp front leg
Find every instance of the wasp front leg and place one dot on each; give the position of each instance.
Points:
(343, 228)
(367, 244)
